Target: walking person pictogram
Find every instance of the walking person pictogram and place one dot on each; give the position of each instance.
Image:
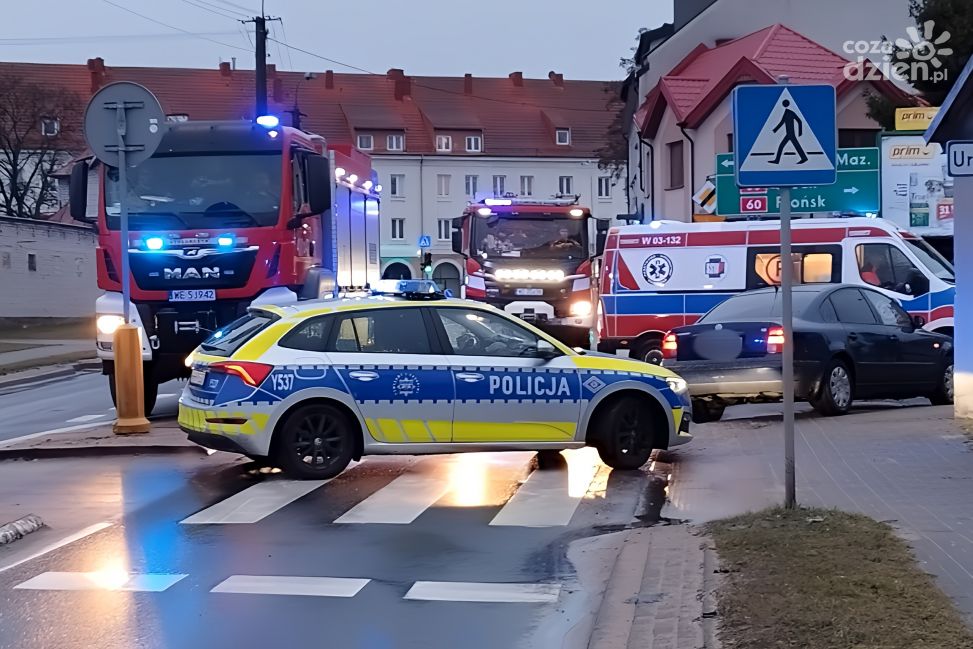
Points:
(794, 128)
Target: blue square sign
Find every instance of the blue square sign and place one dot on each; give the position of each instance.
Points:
(785, 135)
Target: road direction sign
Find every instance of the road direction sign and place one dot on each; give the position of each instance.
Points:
(785, 135)
(142, 120)
(425, 241)
(857, 189)
(960, 157)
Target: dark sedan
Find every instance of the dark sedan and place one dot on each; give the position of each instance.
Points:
(849, 343)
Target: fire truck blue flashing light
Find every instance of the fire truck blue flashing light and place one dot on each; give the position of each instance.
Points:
(154, 243)
(268, 121)
(225, 241)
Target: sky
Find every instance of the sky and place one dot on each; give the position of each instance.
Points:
(578, 38)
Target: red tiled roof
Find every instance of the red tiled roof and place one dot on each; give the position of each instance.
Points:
(509, 115)
(704, 78)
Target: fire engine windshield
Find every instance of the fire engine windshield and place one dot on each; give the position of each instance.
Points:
(198, 191)
(551, 238)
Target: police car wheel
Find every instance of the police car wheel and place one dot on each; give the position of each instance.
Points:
(316, 442)
(627, 430)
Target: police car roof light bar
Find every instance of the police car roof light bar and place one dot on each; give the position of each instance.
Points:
(517, 200)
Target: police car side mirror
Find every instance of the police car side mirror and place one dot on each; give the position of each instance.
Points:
(546, 350)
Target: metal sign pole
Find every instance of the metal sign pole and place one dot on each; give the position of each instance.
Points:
(121, 127)
(787, 315)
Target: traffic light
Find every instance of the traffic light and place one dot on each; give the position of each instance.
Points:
(427, 262)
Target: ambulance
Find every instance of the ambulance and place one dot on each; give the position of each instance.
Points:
(667, 274)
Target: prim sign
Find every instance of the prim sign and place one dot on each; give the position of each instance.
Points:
(959, 155)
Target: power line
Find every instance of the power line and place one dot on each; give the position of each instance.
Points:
(443, 90)
(178, 29)
(54, 40)
(245, 14)
(219, 13)
(247, 10)
(290, 61)
(280, 54)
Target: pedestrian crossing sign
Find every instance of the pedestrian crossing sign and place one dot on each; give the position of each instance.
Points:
(785, 135)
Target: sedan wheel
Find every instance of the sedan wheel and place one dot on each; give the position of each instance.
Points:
(316, 442)
(837, 390)
(943, 396)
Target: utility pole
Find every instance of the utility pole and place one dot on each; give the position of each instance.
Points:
(260, 45)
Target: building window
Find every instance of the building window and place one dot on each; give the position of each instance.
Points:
(444, 143)
(395, 143)
(474, 143)
(398, 229)
(677, 166)
(853, 138)
(50, 126)
(565, 185)
(31, 261)
(471, 183)
(442, 185)
(604, 187)
(445, 229)
(729, 142)
(499, 185)
(397, 185)
(563, 136)
(366, 142)
(526, 185)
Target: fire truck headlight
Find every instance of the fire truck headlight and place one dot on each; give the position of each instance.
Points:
(582, 308)
(269, 121)
(484, 211)
(108, 324)
(155, 243)
(577, 212)
(225, 241)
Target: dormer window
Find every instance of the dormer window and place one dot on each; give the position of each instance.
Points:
(474, 143)
(562, 136)
(444, 143)
(366, 142)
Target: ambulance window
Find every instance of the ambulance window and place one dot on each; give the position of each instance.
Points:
(398, 330)
(308, 336)
(472, 332)
(811, 266)
(885, 266)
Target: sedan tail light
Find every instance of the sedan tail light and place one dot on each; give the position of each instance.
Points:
(670, 346)
(775, 340)
(253, 374)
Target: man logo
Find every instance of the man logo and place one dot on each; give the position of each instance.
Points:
(205, 272)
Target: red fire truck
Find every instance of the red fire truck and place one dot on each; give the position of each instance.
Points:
(534, 259)
(225, 215)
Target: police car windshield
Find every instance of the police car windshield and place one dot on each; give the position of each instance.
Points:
(225, 341)
(932, 260)
(541, 238)
(759, 306)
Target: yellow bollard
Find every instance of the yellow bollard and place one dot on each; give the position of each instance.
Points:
(129, 388)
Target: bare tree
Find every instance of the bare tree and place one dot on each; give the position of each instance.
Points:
(39, 132)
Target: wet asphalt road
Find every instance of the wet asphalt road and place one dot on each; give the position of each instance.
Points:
(449, 540)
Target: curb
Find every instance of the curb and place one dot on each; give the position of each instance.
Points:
(62, 452)
(19, 528)
(60, 370)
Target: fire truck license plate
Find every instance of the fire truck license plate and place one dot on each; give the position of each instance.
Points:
(530, 291)
(193, 295)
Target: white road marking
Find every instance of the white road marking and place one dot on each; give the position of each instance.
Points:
(100, 581)
(255, 503)
(56, 431)
(457, 591)
(270, 585)
(549, 498)
(84, 418)
(77, 536)
(399, 502)
(167, 395)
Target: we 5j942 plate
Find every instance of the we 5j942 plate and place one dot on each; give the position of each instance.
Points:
(193, 295)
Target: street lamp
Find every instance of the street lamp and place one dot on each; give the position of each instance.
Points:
(295, 112)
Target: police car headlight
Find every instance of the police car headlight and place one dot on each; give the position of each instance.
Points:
(581, 308)
(108, 324)
(677, 385)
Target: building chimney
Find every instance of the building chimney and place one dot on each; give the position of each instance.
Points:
(517, 78)
(329, 79)
(556, 79)
(225, 69)
(278, 89)
(233, 59)
(395, 73)
(96, 67)
(403, 88)
(271, 70)
(468, 84)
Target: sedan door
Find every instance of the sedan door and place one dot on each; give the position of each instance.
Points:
(391, 367)
(505, 392)
(870, 344)
(918, 354)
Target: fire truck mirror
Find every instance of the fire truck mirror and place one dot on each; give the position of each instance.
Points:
(79, 192)
(457, 235)
(319, 184)
(602, 235)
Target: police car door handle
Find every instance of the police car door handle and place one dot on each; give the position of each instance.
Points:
(359, 375)
(469, 377)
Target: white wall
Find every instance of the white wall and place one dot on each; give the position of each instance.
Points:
(421, 207)
(64, 284)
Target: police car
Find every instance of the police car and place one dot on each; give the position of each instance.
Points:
(316, 385)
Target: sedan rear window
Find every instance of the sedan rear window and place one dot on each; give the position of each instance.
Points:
(748, 307)
(230, 338)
